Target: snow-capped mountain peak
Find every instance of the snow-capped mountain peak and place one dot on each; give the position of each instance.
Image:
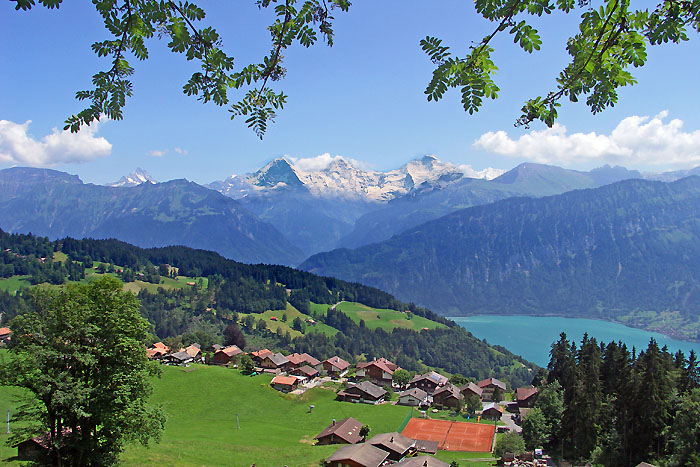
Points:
(137, 177)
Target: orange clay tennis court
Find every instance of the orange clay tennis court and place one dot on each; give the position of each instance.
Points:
(452, 436)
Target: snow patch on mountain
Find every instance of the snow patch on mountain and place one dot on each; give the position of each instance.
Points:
(135, 178)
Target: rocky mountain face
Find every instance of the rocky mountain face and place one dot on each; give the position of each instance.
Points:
(55, 204)
(620, 250)
(135, 178)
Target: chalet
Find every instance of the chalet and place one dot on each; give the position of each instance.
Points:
(343, 432)
(526, 397)
(357, 455)
(469, 389)
(273, 361)
(258, 355)
(427, 447)
(297, 360)
(195, 351)
(305, 372)
(378, 371)
(448, 396)
(428, 382)
(5, 335)
(363, 392)
(492, 411)
(335, 366)
(284, 383)
(155, 354)
(396, 444)
(422, 461)
(414, 397)
(34, 449)
(489, 386)
(225, 356)
(177, 358)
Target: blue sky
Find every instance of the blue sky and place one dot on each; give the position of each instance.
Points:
(361, 99)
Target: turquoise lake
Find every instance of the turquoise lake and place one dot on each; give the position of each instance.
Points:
(532, 336)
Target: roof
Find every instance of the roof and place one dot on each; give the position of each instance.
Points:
(393, 442)
(369, 388)
(5, 331)
(644, 464)
(473, 388)
(415, 392)
(431, 447)
(307, 370)
(261, 353)
(284, 380)
(363, 454)
(379, 364)
(493, 406)
(276, 358)
(449, 388)
(231, 350)
(160, 345)
(525, 393)
(155, 352)
(347, 429)
(193, 350)
(422, 461)
(338, 362)
(294, 359)
(182, 356)
(311, 361)
(492, 381)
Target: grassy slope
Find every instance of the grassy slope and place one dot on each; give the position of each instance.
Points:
(385, 319)
(276, 429)
(291, 313)
(14, 283)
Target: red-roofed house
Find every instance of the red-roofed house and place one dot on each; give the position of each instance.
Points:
(224, 356)
(343, 432)
(488, 387)
(258, 355)
(5, 335)
(526, 397)
(335, 366)
(284, 383)
(379, 371)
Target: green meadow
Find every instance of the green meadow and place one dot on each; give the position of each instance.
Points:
(14, 283)
(385, 319)
(217, 416)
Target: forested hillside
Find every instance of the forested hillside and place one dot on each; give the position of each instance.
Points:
(629, 251)
(221, 294)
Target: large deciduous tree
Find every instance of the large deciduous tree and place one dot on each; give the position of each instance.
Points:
(79, 353)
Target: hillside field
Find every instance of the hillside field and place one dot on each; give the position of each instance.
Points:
(275, 429)
(383, 318)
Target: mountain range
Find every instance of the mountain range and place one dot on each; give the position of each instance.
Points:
(628, 251)
(56, 204)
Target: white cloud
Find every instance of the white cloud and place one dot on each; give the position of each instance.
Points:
(320, 162)
(181, 151)
(637, 140)
(157, 152)
(19, 147)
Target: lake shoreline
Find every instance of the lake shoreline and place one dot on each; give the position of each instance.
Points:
(673, 335)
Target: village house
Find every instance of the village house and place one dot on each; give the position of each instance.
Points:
(469, 389)
(428, 382)
(345, 431)
(273, 361)
(157, 351)
(492, 411)
(177, 358)
(357, 455)
(447, 396)
(526, 397)
(421, 461)
(414, 397)
(258, 355)
(5, 335)
(335, 366)
(297, 360)
(306, 373)
(225, 356)
(489, 386)
(427, 447)
(284, 383)
(195, 351)
(378, 371)
(365, 391)
(396, 444)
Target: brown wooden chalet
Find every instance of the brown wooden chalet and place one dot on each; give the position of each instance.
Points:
(306, 372)
(414, 397)
(363, 392)
(195, 351)
(526, 397)
(284, 383)
(177, 358)
(357, 455)
(345, 431)
(396, 444)
(258, 355)
(335, 366)
(428, 382)
(225, 356)
(492, 411)
(448, 396)
(488, 387)
(274, 361)
(379, 371)
(297, 360)
(421, 461)
(471, 388)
